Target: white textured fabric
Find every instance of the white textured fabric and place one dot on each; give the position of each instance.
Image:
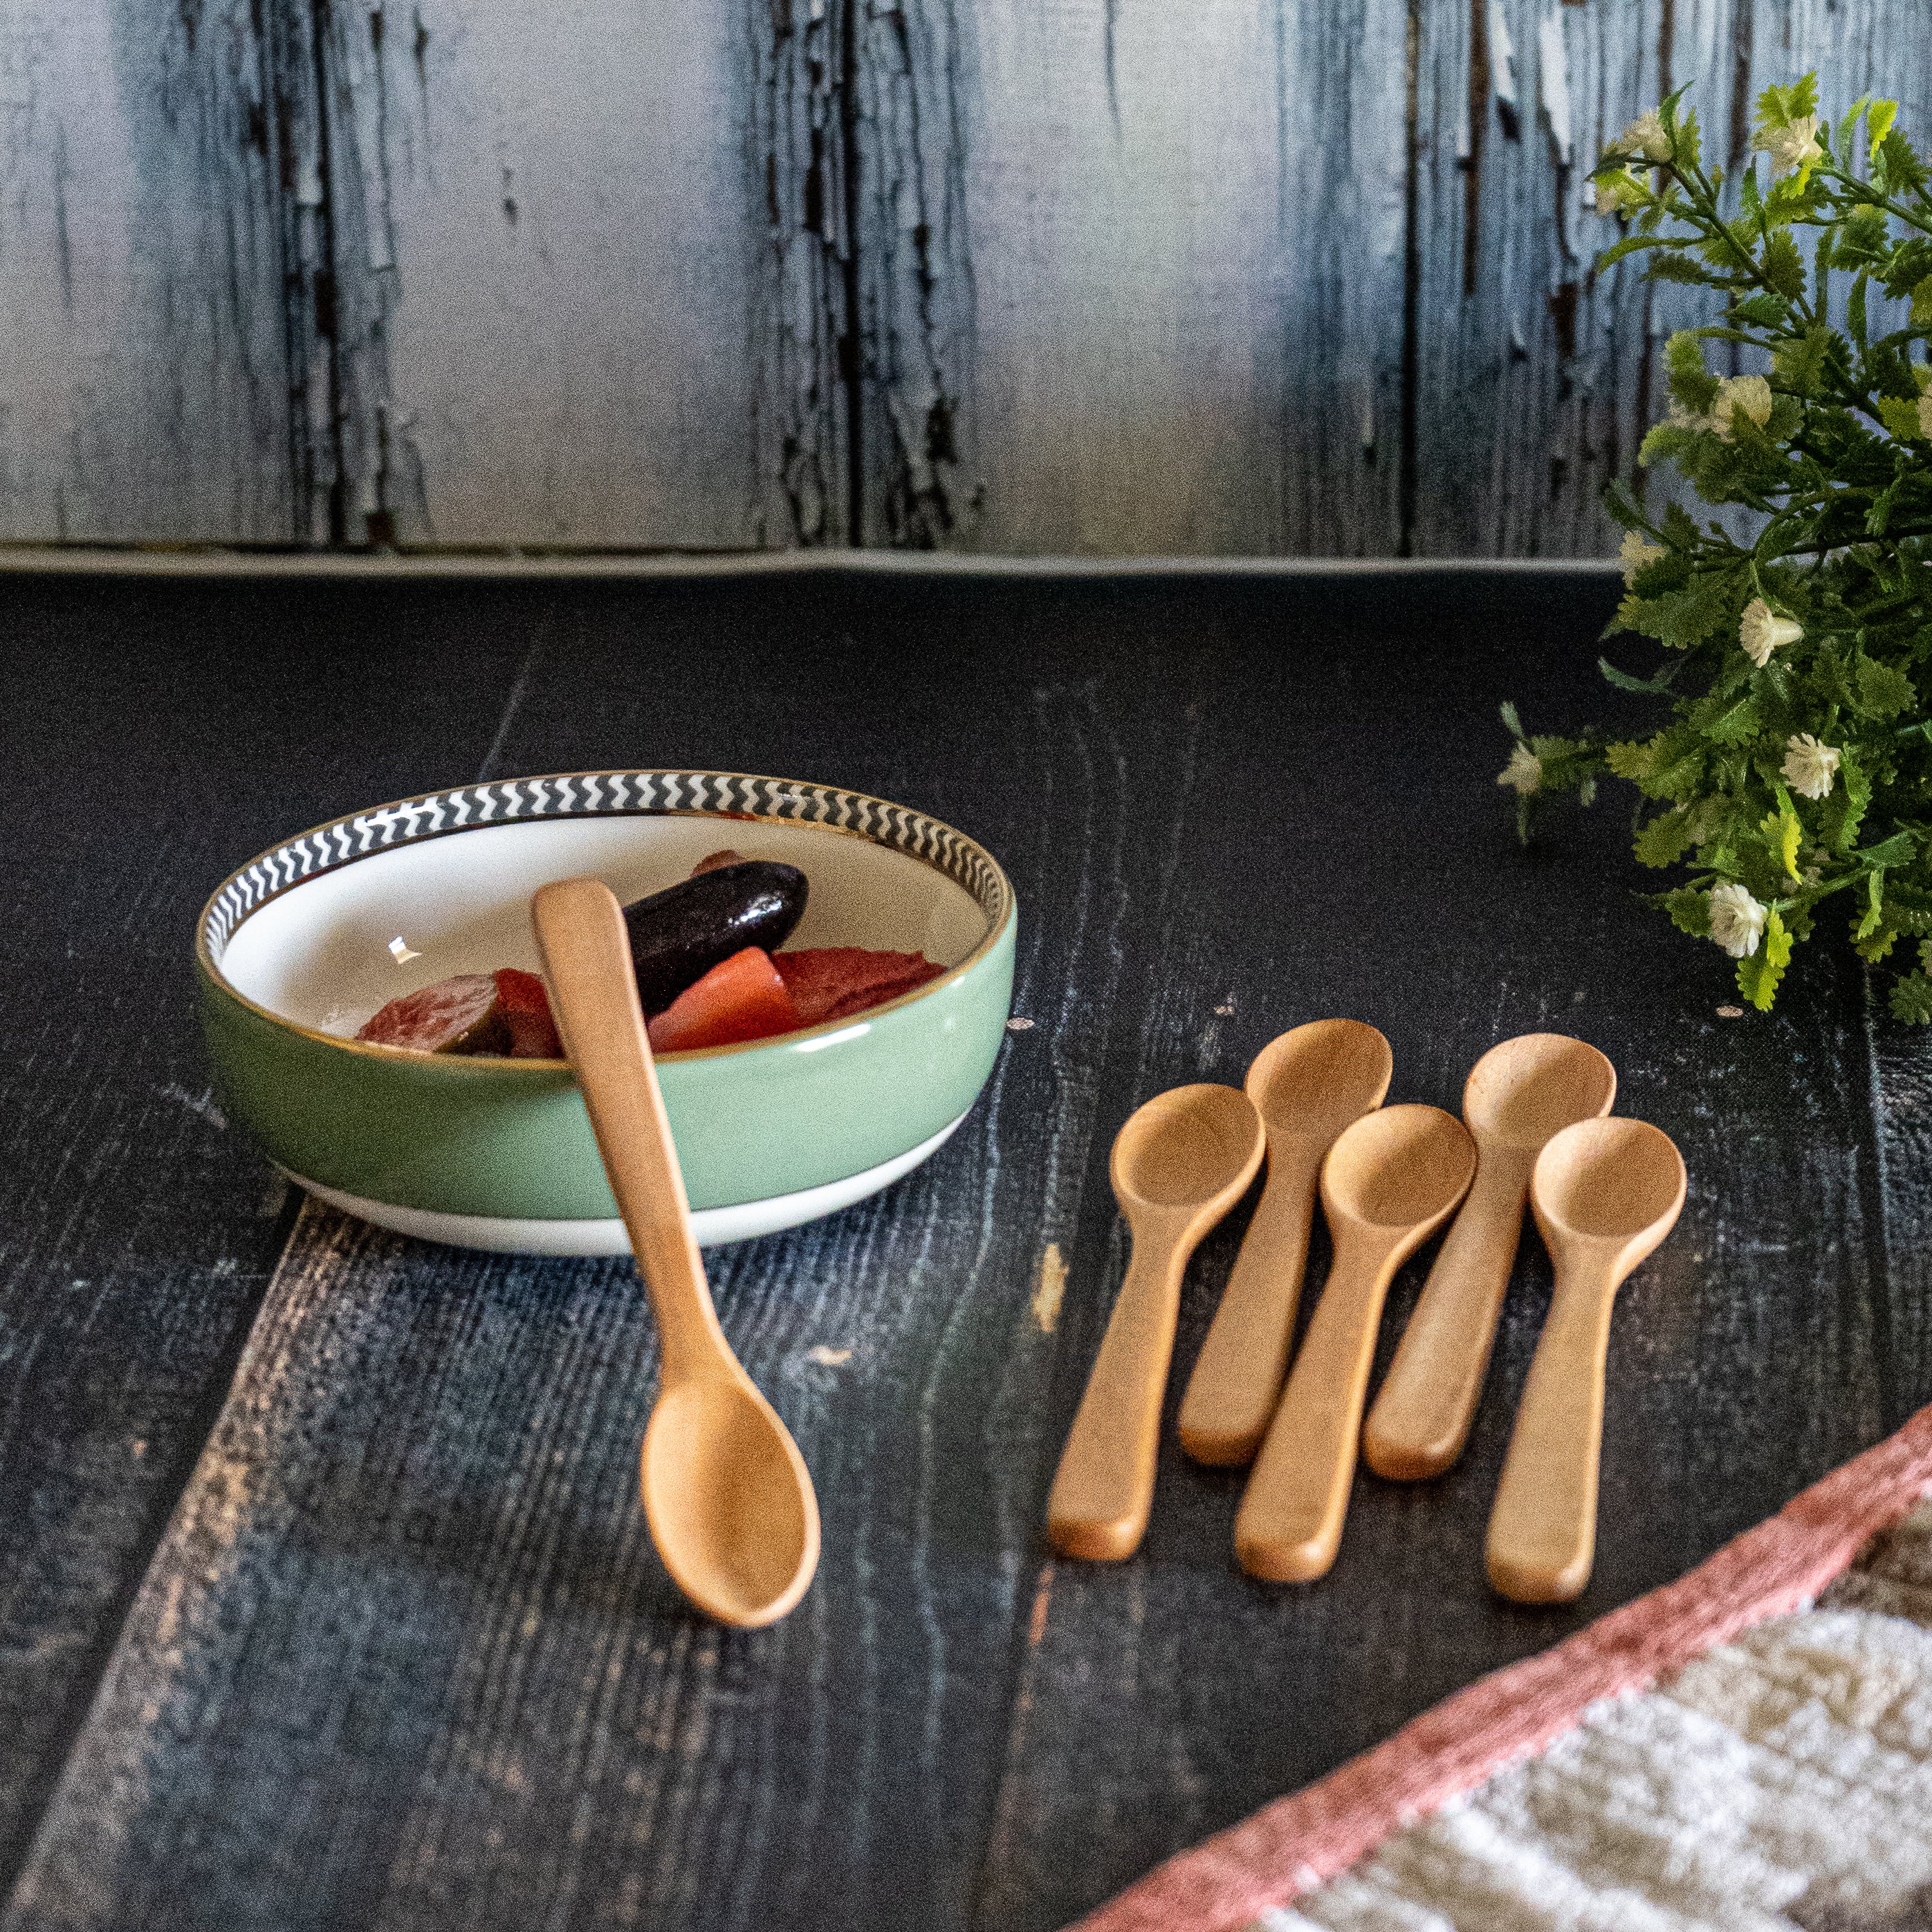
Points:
(1780, 1782)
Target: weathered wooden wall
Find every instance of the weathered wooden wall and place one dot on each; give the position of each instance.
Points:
(1105, 276)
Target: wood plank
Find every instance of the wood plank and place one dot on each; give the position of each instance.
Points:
(145, 390)
(1537, 378)
(154, 740)
(404, 1657)
(1187, 275)
(548, 263)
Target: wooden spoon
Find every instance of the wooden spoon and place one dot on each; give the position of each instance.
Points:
(1517, 1095)
(1307, 1085)
(726, 1494)
(1389, 1181)
(1179, 1164)
(1605, 1193)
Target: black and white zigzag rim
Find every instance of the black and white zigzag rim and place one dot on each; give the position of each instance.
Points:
(599, 795)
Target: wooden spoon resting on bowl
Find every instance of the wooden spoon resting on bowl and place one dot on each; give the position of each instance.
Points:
(726, 1492)
(1179, 1164)
(1389, 1182)
(1605, 1193)
(1516, 1097)
(1307, 1086)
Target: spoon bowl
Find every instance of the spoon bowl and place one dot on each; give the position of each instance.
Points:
(1516, 1097)
(1620, 1181)
(1179, 1164)
(1521, 1092)
(1401, 1167)
(725, 1493)
(1307, 1085)
(1314, 1079)
(1183, 1150)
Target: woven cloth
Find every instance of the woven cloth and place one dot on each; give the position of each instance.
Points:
(1735, 1751)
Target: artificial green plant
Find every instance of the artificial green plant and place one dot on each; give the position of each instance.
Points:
(1791, 779)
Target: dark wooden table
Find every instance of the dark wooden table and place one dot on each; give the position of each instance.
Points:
(325, 1600)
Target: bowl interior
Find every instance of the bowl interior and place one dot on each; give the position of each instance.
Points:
(328, 953)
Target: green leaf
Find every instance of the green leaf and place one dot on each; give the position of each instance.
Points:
(1799, 365)
(1882, 692)
(1511, 722)
(1758, 975)
(1734, 725)
(1899, 416)
(1899, 849)
(1762, 310)
(1874, 905)
(1690, 910)
(1784, 266)
(1878, 118)
(1654, 686)
(1665, 839)
(1912, 998)
(1854, 311)
(1845, 809)
(1686, 146)
(1782, 832)
(1841, 142)
(1691, 383)
(1903, 167)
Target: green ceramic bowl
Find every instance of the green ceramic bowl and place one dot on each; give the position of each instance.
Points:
(297, 948)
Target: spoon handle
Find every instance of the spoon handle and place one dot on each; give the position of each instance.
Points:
(1238, 1376)
(1289, 1525)
(586, 957)
(1422, 1416)
(1103, 1492)
(1543, 1530)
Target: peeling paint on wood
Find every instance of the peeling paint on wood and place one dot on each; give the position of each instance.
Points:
(1264, 276)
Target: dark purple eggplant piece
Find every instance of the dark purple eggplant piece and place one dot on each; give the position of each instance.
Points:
(678, 934)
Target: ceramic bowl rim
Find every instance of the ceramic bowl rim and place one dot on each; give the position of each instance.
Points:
(1002, 895)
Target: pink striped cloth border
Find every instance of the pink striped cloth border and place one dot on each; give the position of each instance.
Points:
(1289, 1847)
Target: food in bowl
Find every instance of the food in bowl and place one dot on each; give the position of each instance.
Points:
(704, 978)
(305, 941)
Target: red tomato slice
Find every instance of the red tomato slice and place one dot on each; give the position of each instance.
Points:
(524, 1001)
(831, 983)
(742, 998)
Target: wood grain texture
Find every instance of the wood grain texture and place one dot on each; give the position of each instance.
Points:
(404, 1657)
(143, 386)
(546, 258)
(1255, 277)
(137, 1230)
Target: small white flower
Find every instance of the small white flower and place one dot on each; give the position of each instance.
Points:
(1791, 145)
(1523, 774)
(1645, 136)
(1634, 554)
(1762, 631)
(1615, 193)
(1737, 920)
(1809, 766)
(1740, 395)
